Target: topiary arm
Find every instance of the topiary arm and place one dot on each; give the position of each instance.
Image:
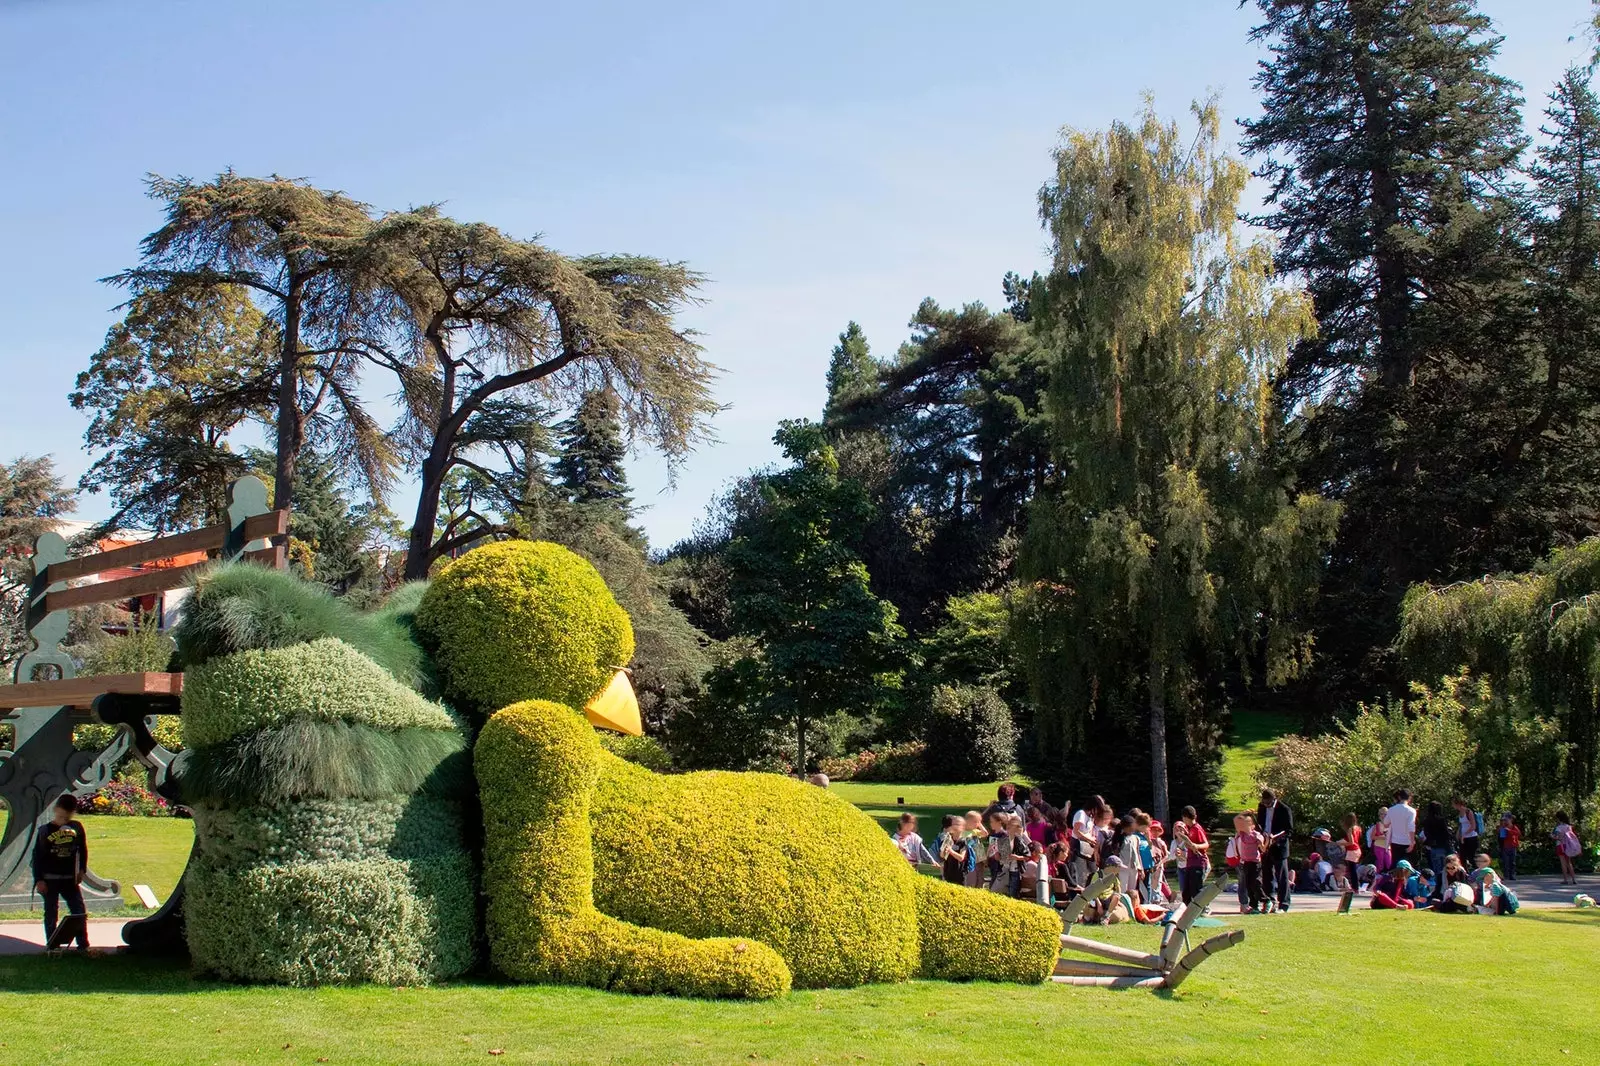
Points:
(537, 766)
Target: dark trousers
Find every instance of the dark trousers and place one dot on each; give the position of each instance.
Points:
(1508, 863)
(1467, 848)
(54, 893)
(1252, 883)
(1436, 857)
(1275, 873)
(1398, 852)
(1190, 881)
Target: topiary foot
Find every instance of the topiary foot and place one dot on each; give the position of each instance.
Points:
(537, 765)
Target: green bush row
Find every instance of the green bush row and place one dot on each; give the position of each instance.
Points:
(400, 827)
(381, 920)
(308, 759)
(522, 620)
(327, 680)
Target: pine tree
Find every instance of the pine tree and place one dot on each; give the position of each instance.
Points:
(589, 467)
(1385, 138)
(1172, 549)
(852, 371)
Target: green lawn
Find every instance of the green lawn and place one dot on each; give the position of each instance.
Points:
(1246, 752)
(928, 802)
(1384, 981)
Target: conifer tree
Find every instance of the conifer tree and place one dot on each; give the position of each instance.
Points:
(589, 466)
(852, 372)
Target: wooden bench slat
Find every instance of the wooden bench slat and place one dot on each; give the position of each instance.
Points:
(81, 691)
(208, 539)
(271, 524)
(170, 577)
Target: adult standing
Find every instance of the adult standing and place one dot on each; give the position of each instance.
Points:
(1005, 803)
(1400, 822)
(1276, 822)
(1469, 827)
(1085, 840)
(1435, 833)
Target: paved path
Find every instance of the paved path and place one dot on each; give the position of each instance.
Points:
(1538, 893)
(27, 938)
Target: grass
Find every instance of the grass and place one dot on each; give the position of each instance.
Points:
(1246, 752)
(137, 851)
(928, 802)
(1256, 1003)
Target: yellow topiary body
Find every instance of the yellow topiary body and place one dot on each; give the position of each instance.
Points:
(522, 620)
(602, 873)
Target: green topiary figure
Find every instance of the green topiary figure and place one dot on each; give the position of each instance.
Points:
(601, 873)
(330, 795)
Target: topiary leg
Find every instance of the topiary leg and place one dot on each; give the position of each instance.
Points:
(980, 936)
(537, 765)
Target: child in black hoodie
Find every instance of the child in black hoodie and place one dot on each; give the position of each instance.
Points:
(60, 857)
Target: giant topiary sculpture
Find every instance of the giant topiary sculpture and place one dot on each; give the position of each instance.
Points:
(327, 790)
(601, 873)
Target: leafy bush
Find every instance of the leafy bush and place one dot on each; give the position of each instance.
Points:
(396, 827)
(245, 607)
(327, 680)
(641, 751)
(309, 759)
(522, 620)
(1019, 942)
(540, 762)
(971, 735)
(382, 920)
(903, 763)
(144, 648)
(126, 796)
(95, 736)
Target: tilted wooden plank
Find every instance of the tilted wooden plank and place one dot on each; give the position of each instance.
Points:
(81, 691)
(1111, 982)
(271, 524)
(198, 540)
(1110, 951)
(1091, 892)
(145, 584)
(1087, 968)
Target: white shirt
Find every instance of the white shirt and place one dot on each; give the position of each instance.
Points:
(1266, 829)
(1402, 821)
(1084, 825)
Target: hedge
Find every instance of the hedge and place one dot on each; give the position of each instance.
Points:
(522, 620)
(968, 935)
(382, 920)
(399, 827)
(307, 759)
(326, 679)
(540, 761)
(243, 607)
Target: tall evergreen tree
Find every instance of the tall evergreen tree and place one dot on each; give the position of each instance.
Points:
(589, 466)
(1172, 549)
(1385, 138)
(852, 371)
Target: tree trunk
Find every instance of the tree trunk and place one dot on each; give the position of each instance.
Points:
(419, 548)
(291, 426)
(800, 744)
(1158, 739)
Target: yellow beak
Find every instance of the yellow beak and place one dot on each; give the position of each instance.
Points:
(616, 707)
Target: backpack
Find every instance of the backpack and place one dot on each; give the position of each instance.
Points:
(1567, 841)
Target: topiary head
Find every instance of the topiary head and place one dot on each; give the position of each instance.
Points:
(522, 620)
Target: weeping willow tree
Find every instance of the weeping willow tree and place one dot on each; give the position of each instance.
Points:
(1171, 551)
(1535, 636)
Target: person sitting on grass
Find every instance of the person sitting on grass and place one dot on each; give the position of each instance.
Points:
(1389, 891)
(1455, 894)
(910, 844)
(60, 859)
(1494, 895)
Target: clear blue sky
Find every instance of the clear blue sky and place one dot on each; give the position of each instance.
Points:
(827, 162)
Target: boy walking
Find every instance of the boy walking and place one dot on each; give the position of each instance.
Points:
(60, 857)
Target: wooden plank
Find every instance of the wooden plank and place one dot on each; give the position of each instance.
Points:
(81, 691)
(146, 897)
(197, 540)
(1110, 951)
(1112, 982)
(1086, 968)
(271, 524)
(125, 588)
(276, 556)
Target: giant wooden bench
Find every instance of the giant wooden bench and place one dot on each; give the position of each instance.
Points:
(42, 711)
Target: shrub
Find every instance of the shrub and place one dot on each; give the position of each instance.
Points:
(1020, 942)
(245, 607)
(308, 759)
(522, 620)
(327, 680)
(144, 648)
(383, 920)
(540, 761)
(971, 735)
(901, 763)
(124, 795)
(95, 736)
(641, 751)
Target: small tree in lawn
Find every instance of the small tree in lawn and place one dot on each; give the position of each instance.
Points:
(1172, 548)
(798, 589)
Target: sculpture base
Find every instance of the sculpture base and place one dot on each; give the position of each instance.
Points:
(95, 901)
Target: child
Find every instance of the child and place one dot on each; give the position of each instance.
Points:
(910, 844)
(1378, 837)
(1510, 837)
(973, 839)
(60, 859)
(1389, 890)
(1352, 850)
(1567, 847)
(1494, 897)
(1249, 844)
(1192, 865)
(1125, 847)
(951, 851)
(1143, 831)
(1007, 849)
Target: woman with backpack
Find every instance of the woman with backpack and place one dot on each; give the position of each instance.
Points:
(1469, 827)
